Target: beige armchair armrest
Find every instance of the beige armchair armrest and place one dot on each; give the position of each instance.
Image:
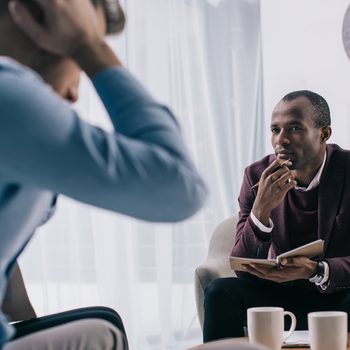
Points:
(217, 263)
(16, 303)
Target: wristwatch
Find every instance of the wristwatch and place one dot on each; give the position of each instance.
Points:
(319, 274)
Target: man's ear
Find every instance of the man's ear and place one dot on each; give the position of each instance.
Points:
(326, 133)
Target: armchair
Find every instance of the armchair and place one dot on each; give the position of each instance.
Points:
(217, 263)
(16, 303)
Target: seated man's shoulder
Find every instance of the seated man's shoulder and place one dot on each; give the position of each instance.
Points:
(339, 154)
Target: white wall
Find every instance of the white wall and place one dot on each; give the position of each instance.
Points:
(302, 49)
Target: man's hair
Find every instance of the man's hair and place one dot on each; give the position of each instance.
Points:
(321, 115)
(115, 17)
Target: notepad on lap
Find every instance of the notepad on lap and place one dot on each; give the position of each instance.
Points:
(309, 250)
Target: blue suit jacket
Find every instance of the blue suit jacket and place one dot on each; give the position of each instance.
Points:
(140, 168)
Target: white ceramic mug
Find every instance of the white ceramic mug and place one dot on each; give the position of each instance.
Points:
(266, 326)
(328, 330)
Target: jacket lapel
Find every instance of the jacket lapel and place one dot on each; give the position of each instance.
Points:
(329, 196)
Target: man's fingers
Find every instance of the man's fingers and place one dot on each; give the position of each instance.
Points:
(24, 20)
(294, 262)
(275, 165)
(253, 271)
(286, 186)
(284, 261)
(285, 181)
(269, 273)
(259, 269)
(288, 176)
(272, 167)
(281, 175)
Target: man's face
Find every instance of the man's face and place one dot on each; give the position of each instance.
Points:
(294, 135)
(63, 74)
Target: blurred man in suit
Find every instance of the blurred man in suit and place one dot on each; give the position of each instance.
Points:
(141, 169)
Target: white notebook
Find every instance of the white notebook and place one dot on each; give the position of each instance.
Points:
(298, 339)
(309, 250)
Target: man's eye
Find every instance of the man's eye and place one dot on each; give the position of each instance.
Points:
(275, 130)
(295, 128)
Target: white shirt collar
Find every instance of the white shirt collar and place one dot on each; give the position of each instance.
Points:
(316, 180)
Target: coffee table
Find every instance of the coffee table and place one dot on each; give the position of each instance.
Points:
(239, 344)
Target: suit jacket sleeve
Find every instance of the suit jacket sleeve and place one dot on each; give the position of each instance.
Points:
(334, 217)
(140, 168)
(250, 241)
(339, 268)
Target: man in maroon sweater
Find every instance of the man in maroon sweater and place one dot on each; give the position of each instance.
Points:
(307, 199)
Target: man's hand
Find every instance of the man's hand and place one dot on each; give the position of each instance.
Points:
(274, 184)
(68, 25)
(71, 28)
(290, 269)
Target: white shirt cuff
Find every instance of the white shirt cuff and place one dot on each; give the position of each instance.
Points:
(323, 284)
(260, 225)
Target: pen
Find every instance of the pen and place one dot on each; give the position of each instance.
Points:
(284, 163)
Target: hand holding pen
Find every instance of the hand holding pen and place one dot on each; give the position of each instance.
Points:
(276, 180)
(280, 166)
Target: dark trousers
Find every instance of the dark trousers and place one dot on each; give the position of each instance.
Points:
(227, 300)
(42, 323)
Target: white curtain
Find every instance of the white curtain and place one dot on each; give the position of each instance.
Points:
(203, 59)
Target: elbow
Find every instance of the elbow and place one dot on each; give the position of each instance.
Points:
(183, 200)
(187, 206)
(167, 196)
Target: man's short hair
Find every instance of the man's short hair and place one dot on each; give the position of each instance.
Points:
(321, 115)
(115, 17)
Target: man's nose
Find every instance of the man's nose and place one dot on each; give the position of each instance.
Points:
(283, 138)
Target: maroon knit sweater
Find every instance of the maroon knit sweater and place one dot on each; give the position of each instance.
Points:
(302, 209)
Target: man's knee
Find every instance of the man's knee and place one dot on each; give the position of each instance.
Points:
(101, 334)
(214, 290)
(234, 292)
(221, 291)
(225, 286)
(87, 334)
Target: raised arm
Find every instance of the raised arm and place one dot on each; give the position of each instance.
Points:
(140, 169)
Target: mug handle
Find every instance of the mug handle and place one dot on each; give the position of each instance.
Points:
(293, 325)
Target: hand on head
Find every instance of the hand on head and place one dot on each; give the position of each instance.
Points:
(69, 25)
